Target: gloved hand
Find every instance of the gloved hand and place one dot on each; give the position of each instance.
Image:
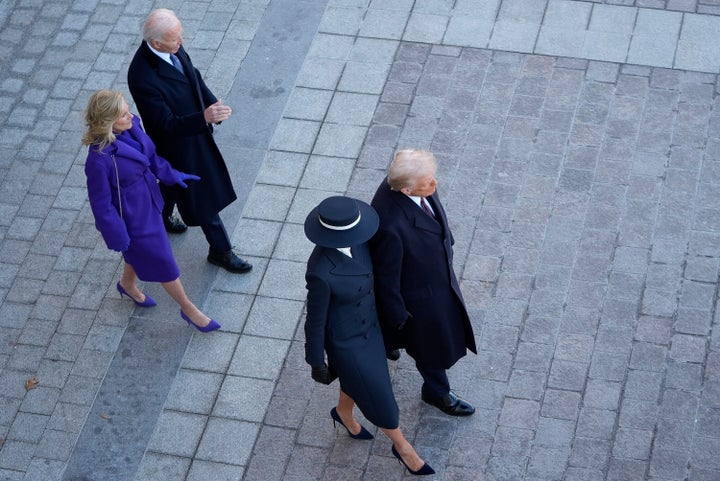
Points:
(321, 374)
(182, 177)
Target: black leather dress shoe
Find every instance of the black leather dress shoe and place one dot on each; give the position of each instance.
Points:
(392, 354)
(450, 404)
(229, 261)
(173, 225)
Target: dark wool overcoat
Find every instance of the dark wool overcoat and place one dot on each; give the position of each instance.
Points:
(171, 106)
(413, 264)
(342, 322)
(132, 162)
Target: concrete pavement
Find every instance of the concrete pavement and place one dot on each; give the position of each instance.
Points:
(577, 142)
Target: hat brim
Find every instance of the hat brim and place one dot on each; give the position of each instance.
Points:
(362, 232)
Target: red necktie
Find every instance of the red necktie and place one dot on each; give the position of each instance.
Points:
(426, 207)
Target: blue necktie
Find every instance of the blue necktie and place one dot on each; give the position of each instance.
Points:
(176, 63)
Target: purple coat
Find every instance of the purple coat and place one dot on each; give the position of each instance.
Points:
(140, 229)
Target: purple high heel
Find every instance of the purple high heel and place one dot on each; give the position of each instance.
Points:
(213, 326)
(148, 302)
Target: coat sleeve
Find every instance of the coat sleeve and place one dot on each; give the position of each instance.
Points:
(157, 114)
(208, 97)
(158, 165)
(163, 171)
(100, 194)
(318, 302)
(387, 258)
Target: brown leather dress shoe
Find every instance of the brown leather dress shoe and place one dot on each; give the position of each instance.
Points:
(174, 225)
(451, 404)
(229, 261)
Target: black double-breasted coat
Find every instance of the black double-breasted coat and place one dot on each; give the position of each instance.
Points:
(412, 258)
(171, 106)
(342, 322)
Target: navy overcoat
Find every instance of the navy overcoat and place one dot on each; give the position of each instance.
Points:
(132, 161)
(171, 106)
(342, 322)
(412, 258)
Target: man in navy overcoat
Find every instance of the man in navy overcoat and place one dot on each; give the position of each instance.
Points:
(178, 112)
(419, 302)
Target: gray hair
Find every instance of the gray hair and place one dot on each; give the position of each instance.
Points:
(157, 23)
(408, 166)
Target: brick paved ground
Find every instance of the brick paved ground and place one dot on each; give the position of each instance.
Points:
(581, 198)
(579, 156)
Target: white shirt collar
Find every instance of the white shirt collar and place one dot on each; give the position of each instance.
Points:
(163, 55)
(417, 199)
(345, 250)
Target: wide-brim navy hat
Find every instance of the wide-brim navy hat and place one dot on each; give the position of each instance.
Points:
(341, 222)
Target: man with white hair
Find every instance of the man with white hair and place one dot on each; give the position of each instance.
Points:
(179, 113)
(418, 297)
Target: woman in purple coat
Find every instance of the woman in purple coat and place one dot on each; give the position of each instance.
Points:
(123, 170)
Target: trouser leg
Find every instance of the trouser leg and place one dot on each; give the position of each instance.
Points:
(435, 382)
(170, 199)
(216, 235)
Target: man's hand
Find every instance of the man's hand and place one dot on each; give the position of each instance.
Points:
(217, 112)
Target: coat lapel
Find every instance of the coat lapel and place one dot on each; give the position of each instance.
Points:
(347, 266)
(416, 215)
(163, 68)
(190, 72)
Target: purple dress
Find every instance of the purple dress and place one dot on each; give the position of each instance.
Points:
(140, 227)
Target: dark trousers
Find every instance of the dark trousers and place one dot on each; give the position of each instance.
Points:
(214, 229)
(435, 382)
(216, 235)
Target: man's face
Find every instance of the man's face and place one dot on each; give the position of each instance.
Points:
(425, 186)
(170, 41)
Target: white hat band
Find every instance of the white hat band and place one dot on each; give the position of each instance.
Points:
(340, 227)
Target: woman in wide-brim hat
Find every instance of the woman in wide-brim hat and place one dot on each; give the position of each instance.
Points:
(342, 323)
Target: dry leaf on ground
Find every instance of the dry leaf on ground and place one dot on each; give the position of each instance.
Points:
(31, 383)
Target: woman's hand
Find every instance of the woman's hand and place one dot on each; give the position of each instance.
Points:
(182, 177)
(321, 374)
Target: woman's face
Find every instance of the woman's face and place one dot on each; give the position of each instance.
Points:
(125, 121)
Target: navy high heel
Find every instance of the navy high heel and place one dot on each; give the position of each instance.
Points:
(363, 434)
(148, 302)
(213, 326)
(424, 470)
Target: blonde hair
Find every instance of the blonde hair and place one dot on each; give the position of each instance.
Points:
(408, 166)
(103, 110)
(157, 23)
